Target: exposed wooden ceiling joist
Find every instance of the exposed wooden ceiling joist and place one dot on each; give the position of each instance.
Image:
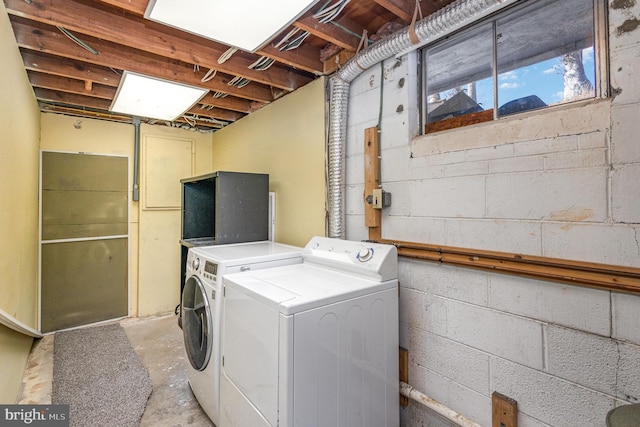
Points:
(133, 32)
(38, 37)
(70, 79)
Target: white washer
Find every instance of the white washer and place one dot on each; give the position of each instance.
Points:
(202, 305)
(313, 344)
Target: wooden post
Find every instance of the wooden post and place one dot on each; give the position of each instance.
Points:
(404, 373)
(372, 217)
(505, 411)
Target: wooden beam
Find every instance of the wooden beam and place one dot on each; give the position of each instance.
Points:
(72, 99)
(67, 98)
(136, 7)
(403, 9)
(305, 57)
(48, 40)
(64, 67)
(79, 112)
(198, 123)
(331, 32)
(227, 103)
(64, 84)
(216, 113)
(134, 32)
(600, 276)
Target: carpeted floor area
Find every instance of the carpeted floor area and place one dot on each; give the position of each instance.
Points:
(158, 342)
(97, 373)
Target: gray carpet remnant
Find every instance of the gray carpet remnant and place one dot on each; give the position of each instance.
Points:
(99, 375)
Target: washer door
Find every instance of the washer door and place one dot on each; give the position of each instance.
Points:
(196, 323)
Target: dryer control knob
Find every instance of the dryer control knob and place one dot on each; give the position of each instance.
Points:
(365, 254)
(196, 263)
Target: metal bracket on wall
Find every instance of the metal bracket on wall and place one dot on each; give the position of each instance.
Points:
(379, 199)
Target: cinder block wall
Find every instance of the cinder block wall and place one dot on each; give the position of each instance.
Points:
(564, 183)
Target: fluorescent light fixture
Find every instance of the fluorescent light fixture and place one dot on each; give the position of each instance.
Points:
(245, 24)
(143, 96)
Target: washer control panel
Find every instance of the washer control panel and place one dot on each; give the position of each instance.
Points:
(210, 270)
(207, 271)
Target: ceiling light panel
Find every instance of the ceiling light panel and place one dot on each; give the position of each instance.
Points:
(245, 24)
(144, 96)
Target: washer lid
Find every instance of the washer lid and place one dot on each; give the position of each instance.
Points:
(300, 287)
(243, 253)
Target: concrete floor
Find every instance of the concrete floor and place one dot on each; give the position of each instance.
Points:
(158, 342)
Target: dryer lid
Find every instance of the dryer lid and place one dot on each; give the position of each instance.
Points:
(300, 287)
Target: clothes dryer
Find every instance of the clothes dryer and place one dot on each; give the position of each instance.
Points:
(202, 306)
(313, 344)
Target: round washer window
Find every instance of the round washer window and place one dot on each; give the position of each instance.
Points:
(196, 323)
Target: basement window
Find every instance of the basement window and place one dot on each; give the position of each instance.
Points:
(530, 57)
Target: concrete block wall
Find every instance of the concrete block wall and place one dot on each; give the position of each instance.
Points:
(562, 182)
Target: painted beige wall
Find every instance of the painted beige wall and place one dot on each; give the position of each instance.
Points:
(159, 290)
(285, 139)
(19, 121)
(154, 234)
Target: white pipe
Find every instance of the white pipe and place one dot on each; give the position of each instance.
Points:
(408, 391)
(12, 323)
(136, 159)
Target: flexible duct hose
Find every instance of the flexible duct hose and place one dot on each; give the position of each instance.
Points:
(443, 22)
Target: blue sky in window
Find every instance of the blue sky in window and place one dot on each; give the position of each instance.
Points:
(543, 79)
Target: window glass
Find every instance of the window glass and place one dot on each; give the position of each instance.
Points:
(545, 55)
(529, 57)
(459, 76)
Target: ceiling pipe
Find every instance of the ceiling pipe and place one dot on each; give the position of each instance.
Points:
(439, 24)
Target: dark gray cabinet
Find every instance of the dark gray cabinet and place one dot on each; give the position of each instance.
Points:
(221, 208)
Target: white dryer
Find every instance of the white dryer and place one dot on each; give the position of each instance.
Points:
(202, 305)
(313, 344)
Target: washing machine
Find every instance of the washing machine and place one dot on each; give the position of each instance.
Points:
(313, 344)
(202, 306)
